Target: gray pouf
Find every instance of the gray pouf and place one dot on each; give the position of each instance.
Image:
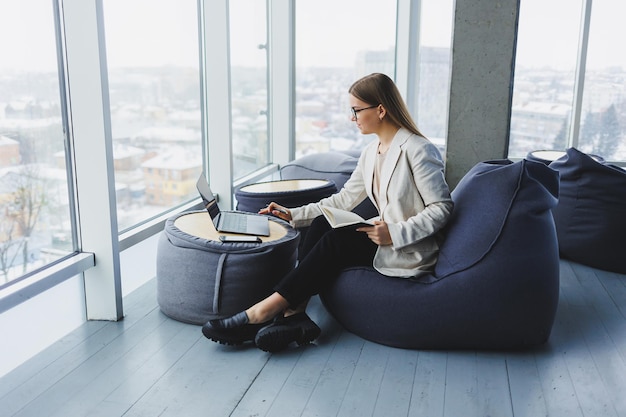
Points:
(200, 278)
(289, 193)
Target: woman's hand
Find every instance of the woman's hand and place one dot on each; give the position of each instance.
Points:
(277, 210)
(379, 233)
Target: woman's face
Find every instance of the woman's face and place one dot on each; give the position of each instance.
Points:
(366, 115)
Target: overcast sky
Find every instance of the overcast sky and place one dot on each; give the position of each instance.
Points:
(329, 32)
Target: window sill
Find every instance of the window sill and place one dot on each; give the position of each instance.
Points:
(33, 285)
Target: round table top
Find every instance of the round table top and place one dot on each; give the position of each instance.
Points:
(552, 156)
(284, 185)
(548, 155)
(199, 224)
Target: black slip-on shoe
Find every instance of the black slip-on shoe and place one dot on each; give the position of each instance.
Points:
(238, 320)
(283, 331)
(233, 330)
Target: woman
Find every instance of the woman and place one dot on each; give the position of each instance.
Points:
(403, 174)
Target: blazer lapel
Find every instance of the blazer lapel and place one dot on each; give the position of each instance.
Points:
(391, 161)
(368, 171)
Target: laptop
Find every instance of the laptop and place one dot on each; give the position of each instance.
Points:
(231, 221)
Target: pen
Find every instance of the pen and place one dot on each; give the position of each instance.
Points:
(280, 210)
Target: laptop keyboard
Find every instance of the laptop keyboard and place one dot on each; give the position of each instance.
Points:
(235, 222)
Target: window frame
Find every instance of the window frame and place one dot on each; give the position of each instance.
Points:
(82, 57)
(579, 81)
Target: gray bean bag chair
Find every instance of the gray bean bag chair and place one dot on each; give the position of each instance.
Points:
(200, 279)
(496, 283)
(591, 214)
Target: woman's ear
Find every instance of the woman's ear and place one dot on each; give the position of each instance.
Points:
(381, 112)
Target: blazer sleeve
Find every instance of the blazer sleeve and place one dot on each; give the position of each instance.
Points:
(431, 188)
(352, 193)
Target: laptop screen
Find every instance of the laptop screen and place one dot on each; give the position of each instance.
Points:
(208, 198)
(231, 222)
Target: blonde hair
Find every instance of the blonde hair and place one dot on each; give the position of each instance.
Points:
(378, 88)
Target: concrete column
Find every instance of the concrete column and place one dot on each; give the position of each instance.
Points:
(481, 84)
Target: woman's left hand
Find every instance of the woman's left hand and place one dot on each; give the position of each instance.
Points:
(379, 233)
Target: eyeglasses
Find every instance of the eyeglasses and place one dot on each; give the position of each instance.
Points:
(355, 110)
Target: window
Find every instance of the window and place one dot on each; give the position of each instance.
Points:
(547, 113)
(603, 111)
(435, 36)
(154, 88)
(249, 92)
(356, 38)
(545, 69)
(36, 225)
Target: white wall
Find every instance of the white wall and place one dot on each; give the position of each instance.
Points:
(138, 264)
(32, 326)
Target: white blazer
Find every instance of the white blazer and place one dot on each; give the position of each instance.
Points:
(414, 201)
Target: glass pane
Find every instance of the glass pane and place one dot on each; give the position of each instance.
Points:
(248, 36)
(36, 226)
(603, 117)
(357, 37)
(154, 87)
(434, 70)
(545, 70)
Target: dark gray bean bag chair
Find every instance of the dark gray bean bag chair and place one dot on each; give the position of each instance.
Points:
(591, 214)
(496, 283)
(200, 279)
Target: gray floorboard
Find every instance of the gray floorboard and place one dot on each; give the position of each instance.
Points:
(527, 397)
(429, 384)
(151, 365)
(327, 398)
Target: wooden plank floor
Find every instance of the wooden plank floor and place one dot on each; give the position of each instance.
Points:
(150, 365)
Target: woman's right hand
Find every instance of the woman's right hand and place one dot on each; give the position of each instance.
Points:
(277, 210)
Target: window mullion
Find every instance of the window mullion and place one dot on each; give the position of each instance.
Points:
(216, 87)
(88, 101)
(580, 75)
(281, 68)
(407, 51)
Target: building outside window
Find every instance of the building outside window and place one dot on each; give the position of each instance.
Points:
(36, 223)
(154, 88)
(337, 43)
(249, 90)
(603, 116)
(552, 38)
(328, 61)
(435, 35)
